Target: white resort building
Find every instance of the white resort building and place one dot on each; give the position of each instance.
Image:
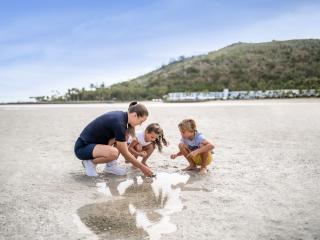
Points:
(226, 94)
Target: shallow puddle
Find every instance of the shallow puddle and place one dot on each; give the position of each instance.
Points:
(139, 208)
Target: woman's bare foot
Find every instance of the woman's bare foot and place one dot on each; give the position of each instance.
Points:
(189, 168)
(203, 171)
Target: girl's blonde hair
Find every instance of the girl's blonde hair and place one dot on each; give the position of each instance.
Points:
(188, 125)
(155, 127)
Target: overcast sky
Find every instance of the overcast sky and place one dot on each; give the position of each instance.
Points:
(54, 45)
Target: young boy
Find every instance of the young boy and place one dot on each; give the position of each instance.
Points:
(194, 147)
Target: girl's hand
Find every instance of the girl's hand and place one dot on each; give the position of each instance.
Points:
(143, 154)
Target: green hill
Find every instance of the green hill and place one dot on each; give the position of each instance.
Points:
(293, 64)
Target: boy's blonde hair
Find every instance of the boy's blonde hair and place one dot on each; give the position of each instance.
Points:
(188, 125)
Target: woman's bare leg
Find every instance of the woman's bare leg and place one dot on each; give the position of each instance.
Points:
(104, 153)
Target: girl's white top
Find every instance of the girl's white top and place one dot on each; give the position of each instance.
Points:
(140, 138)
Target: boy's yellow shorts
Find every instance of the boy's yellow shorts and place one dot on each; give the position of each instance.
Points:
(197, 159)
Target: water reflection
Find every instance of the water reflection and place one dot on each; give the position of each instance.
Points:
(170, 202)
(139, 207)
(123, 186)
(103, 188)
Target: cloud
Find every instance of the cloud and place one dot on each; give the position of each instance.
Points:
(298, 24)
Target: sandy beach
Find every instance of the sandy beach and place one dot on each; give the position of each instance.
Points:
(264, 182)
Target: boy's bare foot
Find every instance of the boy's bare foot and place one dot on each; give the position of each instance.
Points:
(203, 171)
(189, 168)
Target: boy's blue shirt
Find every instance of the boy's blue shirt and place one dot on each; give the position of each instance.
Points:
(194, 143)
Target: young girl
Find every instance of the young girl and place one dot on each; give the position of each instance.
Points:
(144, 142)
(194, 147)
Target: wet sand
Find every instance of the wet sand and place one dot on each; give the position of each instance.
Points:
(264, 182)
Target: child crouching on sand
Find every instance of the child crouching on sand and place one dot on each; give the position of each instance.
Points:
(194, 147)
(145, 142)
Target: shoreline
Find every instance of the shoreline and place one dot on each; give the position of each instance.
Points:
(163, 102)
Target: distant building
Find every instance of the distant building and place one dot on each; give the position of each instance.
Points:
(226, 94)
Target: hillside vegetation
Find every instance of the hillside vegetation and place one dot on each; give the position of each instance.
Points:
(293, 64)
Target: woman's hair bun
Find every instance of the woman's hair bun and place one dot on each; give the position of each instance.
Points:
(132, 104)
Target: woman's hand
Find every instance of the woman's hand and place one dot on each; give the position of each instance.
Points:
(146, 171)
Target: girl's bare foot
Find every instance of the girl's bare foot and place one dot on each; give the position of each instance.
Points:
(189, 168)
(203, 171)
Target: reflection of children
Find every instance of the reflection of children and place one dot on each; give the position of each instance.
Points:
(194, 147)
(144, 142)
